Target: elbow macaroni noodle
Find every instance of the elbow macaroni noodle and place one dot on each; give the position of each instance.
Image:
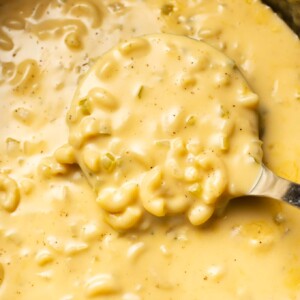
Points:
(26, 77)
(10, 194)
(6, 42)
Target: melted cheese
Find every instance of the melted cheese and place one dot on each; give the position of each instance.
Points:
(54, 240)
(166, 123)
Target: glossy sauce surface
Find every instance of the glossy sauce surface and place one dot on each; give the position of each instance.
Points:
(53, 237)
(165, 124)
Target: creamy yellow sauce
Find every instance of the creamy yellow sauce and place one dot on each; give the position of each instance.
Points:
(164, 124)
(54, 240)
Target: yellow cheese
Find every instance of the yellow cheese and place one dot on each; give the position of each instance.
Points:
(167, 130)
(54, 239)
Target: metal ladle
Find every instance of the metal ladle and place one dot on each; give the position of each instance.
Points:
(270, 185)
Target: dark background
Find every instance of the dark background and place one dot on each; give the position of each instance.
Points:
(289, 10)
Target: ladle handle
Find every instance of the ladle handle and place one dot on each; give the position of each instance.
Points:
(292, 194)
(273, 186)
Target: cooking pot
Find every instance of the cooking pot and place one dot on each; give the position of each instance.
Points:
(289, 10)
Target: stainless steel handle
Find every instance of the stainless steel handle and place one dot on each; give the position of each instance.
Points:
(273, 186)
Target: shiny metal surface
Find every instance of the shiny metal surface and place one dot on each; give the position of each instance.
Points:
(273, 186)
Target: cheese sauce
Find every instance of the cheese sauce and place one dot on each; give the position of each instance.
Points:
(54, 240)
(166, 123)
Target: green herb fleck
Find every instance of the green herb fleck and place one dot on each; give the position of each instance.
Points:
(108, 162)
(85, 106)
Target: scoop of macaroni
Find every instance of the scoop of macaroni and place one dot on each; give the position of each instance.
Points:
(166, 125)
